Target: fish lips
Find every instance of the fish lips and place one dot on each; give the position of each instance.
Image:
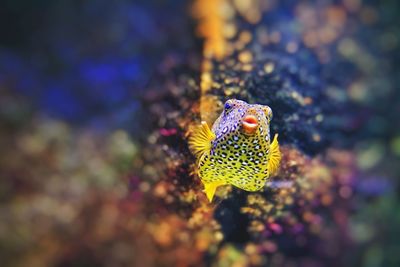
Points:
(250, 124)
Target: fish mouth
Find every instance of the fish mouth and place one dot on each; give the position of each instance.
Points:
(250, 124)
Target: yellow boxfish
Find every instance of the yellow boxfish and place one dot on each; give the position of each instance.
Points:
(238, 149)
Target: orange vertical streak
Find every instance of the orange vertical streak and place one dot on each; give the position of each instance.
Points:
(212, 17)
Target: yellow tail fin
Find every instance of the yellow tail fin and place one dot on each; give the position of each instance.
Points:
(210, 189)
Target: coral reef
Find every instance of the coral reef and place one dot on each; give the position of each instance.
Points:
(97, 100)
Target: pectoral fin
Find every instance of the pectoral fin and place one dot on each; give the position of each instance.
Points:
(275, 156)
(201, 140)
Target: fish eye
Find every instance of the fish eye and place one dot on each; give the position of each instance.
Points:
(268, 113)
(228, 105)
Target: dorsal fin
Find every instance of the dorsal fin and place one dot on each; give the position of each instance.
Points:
(275, 156)
(200, 140)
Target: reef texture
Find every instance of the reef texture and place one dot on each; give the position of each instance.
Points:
(94, 137)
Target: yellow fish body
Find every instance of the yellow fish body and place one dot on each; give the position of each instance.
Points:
(238, 149)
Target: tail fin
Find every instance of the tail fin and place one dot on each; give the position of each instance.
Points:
(210, 189)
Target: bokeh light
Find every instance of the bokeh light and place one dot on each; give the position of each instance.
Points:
(98, 98)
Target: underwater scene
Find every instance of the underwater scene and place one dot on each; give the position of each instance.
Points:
(200, 133)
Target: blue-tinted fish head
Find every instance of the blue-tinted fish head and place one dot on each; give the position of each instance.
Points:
(243, 120)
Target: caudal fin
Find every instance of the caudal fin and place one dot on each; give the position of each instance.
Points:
(210, 189)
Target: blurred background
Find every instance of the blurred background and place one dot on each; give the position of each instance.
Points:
(96, 98)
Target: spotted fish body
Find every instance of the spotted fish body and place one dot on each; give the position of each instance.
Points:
(233, 154)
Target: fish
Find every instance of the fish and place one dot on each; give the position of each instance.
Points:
(237, 150)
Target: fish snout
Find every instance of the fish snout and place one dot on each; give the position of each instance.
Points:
(250, 124)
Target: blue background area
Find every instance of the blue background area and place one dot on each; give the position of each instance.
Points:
(78, 61)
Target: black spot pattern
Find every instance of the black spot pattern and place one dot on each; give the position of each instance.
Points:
(237, 158)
